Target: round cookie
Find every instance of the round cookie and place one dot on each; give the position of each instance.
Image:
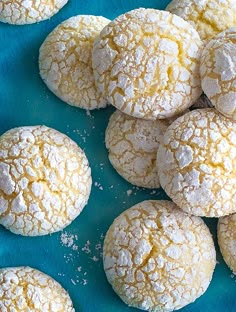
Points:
(146, 64)
(28, 12)
(158, 258)
(27, 289)
(45, 180)
(218, 72)
(65, 61)
(209, 17)
(226, 233)
(202, 102)
(197, 156)
(132, 146)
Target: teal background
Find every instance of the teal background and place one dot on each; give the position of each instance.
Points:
(25, 100)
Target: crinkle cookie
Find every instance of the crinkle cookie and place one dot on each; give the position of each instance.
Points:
(196, 163)
(28, 11)
(146, 64)
(27, 289)
(65, 61)
(209, 17)
(218, 72)
(158, 258)
(226, 233)
(132, 146)
(45, 180)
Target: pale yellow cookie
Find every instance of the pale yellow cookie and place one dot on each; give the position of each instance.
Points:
(196, 163)
(26, 289)
(28, 11)
(65, 61)
(226, 233)
(45, 180)
(209, 17)
(146, 64)
(218, 72)
(132, 145)
(158, 258)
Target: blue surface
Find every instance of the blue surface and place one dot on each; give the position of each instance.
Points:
(25, 100)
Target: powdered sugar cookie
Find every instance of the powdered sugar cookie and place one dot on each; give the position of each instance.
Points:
(197, 157)
(146, 64)
(209, 17)
(65, 61)
(218, 72)
(226, 233)
(45, 180)
(28, 11)
(158, 258)
(27, 289)
(132, 145)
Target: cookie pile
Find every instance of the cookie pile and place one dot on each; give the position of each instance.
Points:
(153, 67)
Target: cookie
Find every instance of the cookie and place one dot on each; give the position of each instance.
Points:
(45, 180)
(146, 64)
(226, 233)
(65, 61)
(218, 72)
(209, 17)
(28, 11)
(132, 145)
(27, 289)
(158, 258)
(196, 163)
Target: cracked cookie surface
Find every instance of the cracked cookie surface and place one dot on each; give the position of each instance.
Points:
(22, 12)
(45, 180)
(197, 157)
(158, 258)
(209, 17)
(65, 61)
(226, 233)
(26, 289)
(218, 72)
(132, 145)
(146, 64)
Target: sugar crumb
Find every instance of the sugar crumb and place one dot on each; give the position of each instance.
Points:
(129, 192)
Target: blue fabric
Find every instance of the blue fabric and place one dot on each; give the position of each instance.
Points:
(25, 100)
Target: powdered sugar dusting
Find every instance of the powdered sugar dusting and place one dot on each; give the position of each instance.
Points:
(89, 251)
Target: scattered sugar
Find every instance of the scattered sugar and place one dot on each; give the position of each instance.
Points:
(93, 252)
(68, 240)
(153, 192)
(72, 281)
(69, 258)
(75, 247)
(129, 192)
(98, 185)
(86, 247)
(98, 246)
(88, 113)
